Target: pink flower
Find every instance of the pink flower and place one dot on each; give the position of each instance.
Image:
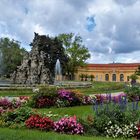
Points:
(68, 126)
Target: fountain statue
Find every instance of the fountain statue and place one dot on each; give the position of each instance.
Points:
(58, 71)
(38, 67)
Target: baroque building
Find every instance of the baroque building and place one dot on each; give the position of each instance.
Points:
(114, 72)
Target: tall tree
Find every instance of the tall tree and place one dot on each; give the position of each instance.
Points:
(11, 55)
(76, 52)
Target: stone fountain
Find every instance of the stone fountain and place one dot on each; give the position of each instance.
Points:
(38, 67)
(44, 64)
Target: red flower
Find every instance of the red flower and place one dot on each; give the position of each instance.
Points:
(42, 123)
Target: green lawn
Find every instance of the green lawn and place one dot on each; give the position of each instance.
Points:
(16, 92)
(79, 111)
(25, 134)
(21, 134)
(97, 87)
(103, 87)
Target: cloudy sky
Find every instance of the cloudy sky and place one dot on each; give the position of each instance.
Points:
(109, 28)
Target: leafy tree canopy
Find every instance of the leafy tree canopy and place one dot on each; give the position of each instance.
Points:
(11, 55)
(137, 72)
(76, 52)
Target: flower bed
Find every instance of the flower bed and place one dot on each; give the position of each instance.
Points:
(110, 123)
(111, 117)
(7, 103)
(46, 98)
(103, 98)
(68, 125)
(42, 123)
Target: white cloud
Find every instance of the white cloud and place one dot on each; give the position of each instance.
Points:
(39, 29)
(116, 36)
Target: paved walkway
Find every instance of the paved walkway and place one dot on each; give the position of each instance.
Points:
(115, 93)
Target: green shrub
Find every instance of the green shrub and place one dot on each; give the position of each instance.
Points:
(2, 122)
(116, 116)
(49, 91)
(101, 122)
(133, 93)
(17, 116)
(88, 125)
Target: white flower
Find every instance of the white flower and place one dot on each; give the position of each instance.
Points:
(35, 90)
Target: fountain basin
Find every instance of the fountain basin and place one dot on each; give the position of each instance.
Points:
(72, 84)
(5, 83)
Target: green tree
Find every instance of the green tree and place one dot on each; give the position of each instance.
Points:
(76, 52)
(137, 72)
(91, 77)
(11, 55)
(133, 78)
(81, 77)
(86, 77)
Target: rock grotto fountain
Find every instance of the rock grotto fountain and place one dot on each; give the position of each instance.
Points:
(38, 67)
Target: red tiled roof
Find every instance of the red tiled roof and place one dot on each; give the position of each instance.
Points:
(121, 66)
(114, 65)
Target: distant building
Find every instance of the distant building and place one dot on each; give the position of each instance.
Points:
(114, 72)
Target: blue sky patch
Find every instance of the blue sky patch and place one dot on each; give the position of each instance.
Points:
(90, 24)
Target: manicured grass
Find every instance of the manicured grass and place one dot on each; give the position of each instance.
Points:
(79, 111)
(103, 87)
(90, 91)
(16, 92)
(98, 87)
(21, 134)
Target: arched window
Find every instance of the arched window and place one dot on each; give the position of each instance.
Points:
(96, 77)
(101, 78)
(113, 77)
(121, 77)
(107, 77)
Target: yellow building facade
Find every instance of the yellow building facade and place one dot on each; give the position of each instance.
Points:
(114, 72)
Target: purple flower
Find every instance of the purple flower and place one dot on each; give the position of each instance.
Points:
(5, 103)
(65, 94)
